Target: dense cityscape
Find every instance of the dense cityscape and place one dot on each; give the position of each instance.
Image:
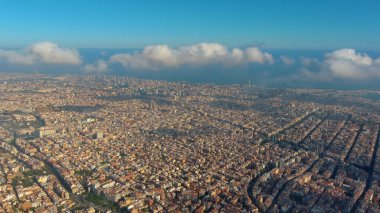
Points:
(197, 106)
(119, 144)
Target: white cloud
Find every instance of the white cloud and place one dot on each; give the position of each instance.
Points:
(347, 63)
(14, 57)
(343, 64)
(350, 55)
(255, 55)
(99, 67)
(41, 52)
(237, 56)
(287, 60)
(202, 53)
(51, 53)
(162, 56)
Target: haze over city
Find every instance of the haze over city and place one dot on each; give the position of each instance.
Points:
(189, 106)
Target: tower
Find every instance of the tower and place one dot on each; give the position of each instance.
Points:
(152, 105)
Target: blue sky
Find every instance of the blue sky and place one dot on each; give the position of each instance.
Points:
(295, 24)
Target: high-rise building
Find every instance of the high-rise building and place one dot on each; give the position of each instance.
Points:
(46, 132)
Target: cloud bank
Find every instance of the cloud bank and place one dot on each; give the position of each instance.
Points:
(162, 56)
(341, 66)
(345, 64)
(15, 57)
(42, 52)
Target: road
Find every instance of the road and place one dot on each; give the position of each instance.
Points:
(253, 182)
(370, 175)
